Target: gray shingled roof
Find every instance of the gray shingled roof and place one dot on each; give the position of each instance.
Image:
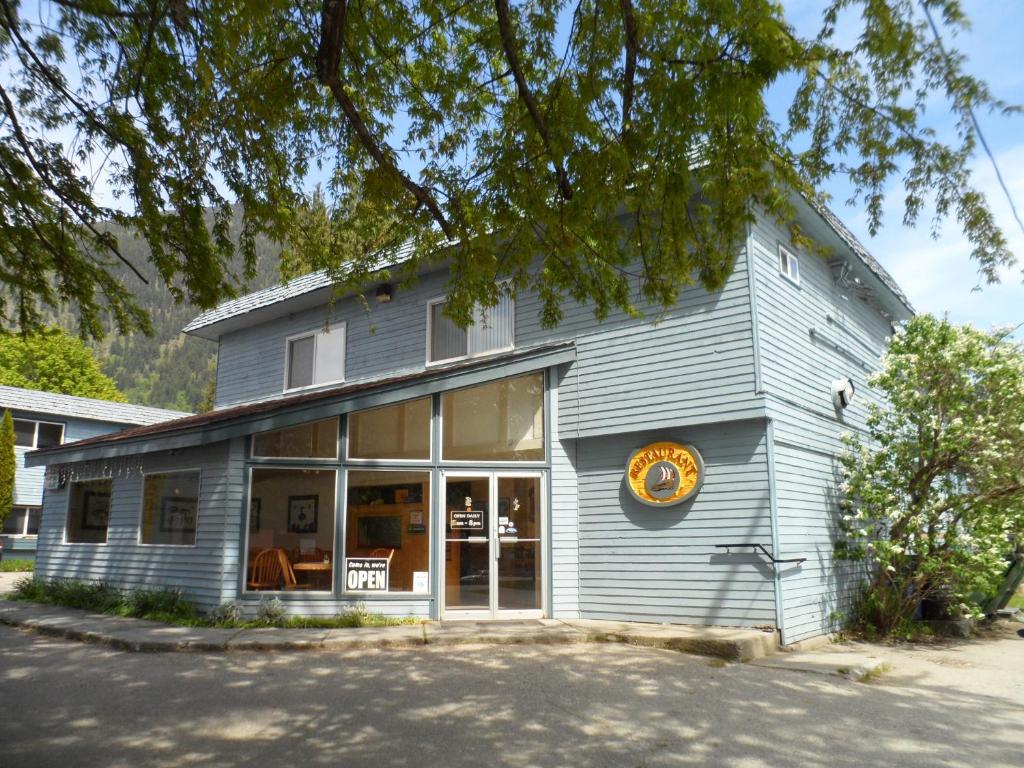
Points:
(268, 296)
(300, 286)
(17, 399)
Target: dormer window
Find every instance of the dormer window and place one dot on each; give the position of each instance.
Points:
(789, 265)
(493, 329)
(316, 358)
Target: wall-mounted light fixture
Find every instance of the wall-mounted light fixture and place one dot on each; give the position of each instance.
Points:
(842, 393)
(383, 293)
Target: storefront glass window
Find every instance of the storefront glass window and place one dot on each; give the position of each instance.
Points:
(291, 529)
(170, 508)
(400, 432)
(499, 421)
(387, 535)
(89, 511)
(316, 440)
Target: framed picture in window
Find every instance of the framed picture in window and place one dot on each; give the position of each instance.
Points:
(178, 514)
(95, 511)
(302, 513)
(254, 515)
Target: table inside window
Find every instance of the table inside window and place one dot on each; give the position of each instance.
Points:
(318, 572)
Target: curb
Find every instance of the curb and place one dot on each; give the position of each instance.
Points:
(140, 636)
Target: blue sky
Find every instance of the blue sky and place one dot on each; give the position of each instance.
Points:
(938, 275)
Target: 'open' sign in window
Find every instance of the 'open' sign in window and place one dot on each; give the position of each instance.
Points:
(366, 574)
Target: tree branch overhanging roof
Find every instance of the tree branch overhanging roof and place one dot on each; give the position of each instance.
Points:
(316, 287)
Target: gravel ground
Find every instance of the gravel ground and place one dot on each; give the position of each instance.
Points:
(70, 704)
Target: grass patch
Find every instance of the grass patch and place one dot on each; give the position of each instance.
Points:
(1017, 601)
(170, 606)
(17, 565)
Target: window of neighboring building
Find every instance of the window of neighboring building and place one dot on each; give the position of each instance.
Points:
(291, 529)
(387, 531)
(22, 521)
(789, 265)
(38, 434)
(170, 508)
(316, 358)
(313, 440)
(492, 330)
(499, 421)
(399, 432)
(88, 511)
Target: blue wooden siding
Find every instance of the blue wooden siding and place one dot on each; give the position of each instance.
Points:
(630, 373)
(809, 335)
(660, 564)
(199, 570)
(565, 539)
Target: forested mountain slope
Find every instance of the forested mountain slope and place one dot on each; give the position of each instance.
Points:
(167, 369)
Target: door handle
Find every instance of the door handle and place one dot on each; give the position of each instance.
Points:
(497, 550)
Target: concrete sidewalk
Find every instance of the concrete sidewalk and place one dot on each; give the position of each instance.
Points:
(150, 636)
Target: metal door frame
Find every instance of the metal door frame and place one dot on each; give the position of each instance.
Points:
(493, 544)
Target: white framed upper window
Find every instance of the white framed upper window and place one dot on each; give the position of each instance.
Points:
(789, 265)
(315, 358)
(493, 330)
(29, 433)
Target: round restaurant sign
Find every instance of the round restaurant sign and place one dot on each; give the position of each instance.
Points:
(663, 474)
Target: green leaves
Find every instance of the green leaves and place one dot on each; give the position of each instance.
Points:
(935, 493)
(603, 152)
(52, 361)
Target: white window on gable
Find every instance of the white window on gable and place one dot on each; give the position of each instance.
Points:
(493, 329)
(789, 265)
(316, 358)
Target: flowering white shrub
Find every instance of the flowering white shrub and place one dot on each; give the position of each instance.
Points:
(934, 491)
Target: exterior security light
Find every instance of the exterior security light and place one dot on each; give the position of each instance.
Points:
(383, 293)
(842, 393)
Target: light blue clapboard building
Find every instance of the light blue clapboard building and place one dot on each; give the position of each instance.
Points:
(630, 469)
(47, 420)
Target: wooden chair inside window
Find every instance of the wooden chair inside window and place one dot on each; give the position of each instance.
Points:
(266, 571)
(290, 582)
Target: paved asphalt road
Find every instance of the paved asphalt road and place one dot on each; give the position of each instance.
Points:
(70, 705)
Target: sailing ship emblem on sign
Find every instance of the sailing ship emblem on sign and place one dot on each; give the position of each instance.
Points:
(663, 474)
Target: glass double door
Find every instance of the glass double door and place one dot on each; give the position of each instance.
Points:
(492, 545)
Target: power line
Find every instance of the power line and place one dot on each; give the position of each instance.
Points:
(974, 120)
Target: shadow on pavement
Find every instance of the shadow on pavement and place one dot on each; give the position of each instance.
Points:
(591, 705)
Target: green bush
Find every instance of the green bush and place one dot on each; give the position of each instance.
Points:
(167, 605)
(17, 565)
